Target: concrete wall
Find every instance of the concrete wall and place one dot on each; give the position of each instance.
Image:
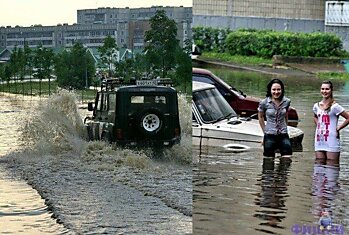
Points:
(293, 9)
(342, 32)
(278, 24)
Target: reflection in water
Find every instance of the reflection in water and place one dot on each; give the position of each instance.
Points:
(325, 187)
(271, 199)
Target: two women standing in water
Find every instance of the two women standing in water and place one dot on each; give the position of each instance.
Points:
(327, 138)
(326, 114)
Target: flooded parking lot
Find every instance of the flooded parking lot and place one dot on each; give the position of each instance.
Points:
(239, 193)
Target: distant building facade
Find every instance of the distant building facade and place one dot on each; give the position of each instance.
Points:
(279, 15)
(126, 25)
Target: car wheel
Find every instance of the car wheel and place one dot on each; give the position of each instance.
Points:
(150, 121)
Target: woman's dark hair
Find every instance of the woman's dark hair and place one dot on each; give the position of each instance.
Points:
(270, 84)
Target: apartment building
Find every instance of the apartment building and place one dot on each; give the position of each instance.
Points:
(126, 25)
(279, 15)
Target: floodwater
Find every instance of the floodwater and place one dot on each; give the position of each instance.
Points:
(239, 193)
(87, 187)
(22, 210)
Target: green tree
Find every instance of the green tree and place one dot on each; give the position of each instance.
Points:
(140, 65)
(108, 52)
(75, 68)
(7, 74)
(183, 74)
(21, 66)
(161, 43)
(43, 62)
(125, 69)
(2, 73)
(14, 66)
(29, 66)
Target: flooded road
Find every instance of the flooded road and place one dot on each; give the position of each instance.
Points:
(22, 210)
(239, 193)
(92, 187)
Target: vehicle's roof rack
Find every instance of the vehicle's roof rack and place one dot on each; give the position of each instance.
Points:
(109, 84)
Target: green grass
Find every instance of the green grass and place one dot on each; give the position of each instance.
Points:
(238, 59)
(333, 75)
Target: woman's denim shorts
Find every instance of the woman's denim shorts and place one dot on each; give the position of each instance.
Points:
(279, 142)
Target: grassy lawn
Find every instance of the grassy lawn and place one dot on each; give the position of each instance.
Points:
(333, 75)
(237, 59)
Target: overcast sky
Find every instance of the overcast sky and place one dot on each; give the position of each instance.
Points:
(52, 12)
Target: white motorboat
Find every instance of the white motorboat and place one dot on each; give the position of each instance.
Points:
(216, 124)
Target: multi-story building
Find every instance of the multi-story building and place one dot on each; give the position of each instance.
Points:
(126, 25)
(279, 15)
(138, 20)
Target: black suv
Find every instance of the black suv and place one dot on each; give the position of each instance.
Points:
(141, 113)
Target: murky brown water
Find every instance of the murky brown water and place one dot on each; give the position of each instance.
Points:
(22, 210)
(241, 194)
(91, 187)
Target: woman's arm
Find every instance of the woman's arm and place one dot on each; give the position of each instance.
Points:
(261, 120)
(344, 114)
(315, 119)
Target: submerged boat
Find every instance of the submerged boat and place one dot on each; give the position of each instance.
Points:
(216, 124)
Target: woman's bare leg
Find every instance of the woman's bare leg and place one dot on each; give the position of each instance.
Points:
(320, 155)
(332, 158)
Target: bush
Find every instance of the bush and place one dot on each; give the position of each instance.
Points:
(210, 39)
(266, 43)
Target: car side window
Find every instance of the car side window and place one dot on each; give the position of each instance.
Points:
(202, 79)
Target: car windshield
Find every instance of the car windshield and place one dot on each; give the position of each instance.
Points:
(212, 106)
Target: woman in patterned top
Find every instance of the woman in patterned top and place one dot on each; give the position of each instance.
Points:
(275, 107)
(326, 115)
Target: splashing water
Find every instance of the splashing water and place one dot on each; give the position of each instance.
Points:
(184, 109)
(56, 159)
(182, 153)
(101, 153)
(56, 127)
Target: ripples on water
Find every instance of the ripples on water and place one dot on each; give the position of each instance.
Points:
(92, 187)
(239, 193)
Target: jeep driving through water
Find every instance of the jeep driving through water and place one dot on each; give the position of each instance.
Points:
(138, 113)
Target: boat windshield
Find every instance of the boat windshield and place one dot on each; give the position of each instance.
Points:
(212, 105)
